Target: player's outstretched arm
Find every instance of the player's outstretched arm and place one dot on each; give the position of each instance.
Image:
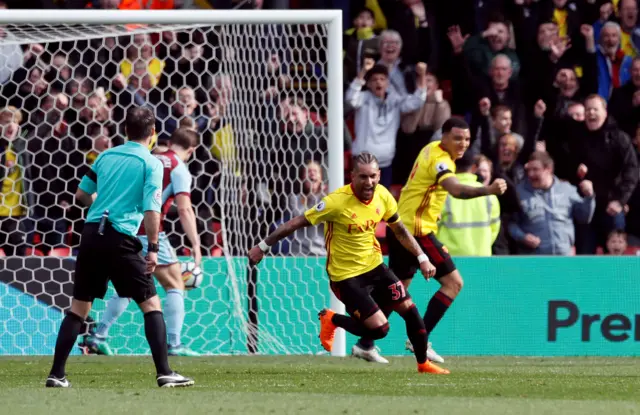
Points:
(462, 191)
(409, 242)
(257, 252)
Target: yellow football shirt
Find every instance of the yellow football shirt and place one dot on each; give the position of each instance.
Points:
(11, 193)
(626, 44)
(423, 197)
(350, 230)
(560, 19)
(155, 68)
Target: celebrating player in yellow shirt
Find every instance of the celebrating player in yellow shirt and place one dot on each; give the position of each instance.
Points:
(421, 201)
(359, 278)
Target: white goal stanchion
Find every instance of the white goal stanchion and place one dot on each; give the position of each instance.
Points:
(264, 89)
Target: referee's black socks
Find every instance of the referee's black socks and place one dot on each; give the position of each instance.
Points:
(69, 330)
(416, 332)
(156, 332)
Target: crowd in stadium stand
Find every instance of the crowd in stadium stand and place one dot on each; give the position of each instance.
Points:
(550, 89)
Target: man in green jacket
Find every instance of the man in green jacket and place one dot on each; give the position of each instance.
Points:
(469, 226)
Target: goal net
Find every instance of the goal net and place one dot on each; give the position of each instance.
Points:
(257, 92)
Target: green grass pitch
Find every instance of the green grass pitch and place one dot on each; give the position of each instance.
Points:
(325, 385)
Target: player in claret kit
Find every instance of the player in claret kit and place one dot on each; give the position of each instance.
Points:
(423, 196)
(176, 184)
(357, 274)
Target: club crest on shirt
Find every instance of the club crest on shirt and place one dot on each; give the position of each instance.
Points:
(157, 196)
(378, 210)
(320, 206)
(440, 167)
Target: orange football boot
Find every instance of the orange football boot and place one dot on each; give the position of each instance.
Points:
(430, 367)
(327, 328)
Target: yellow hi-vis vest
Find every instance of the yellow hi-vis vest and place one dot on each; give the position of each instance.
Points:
(469, 226)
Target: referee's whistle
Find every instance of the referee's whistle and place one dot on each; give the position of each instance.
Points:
(103, 222)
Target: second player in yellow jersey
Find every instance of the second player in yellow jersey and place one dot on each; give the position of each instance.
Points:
(423, 196)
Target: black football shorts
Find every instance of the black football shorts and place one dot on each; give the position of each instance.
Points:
(113, 257)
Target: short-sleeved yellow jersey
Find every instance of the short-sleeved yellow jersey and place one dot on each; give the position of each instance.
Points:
(350, 230)
(423, 197)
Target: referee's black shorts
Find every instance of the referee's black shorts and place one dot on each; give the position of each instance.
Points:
(405, 265)
(113, 256)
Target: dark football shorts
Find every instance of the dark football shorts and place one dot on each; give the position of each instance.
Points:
(113, 257)
(405, 265)
(365, 294)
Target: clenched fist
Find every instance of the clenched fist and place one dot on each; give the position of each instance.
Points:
(498, 187)
(582, 171)
(255, 255)
(586, 187)
(614, 207)
(421, 69)
(368, 64)
(540, 108)
(586, 30)
(485, 106)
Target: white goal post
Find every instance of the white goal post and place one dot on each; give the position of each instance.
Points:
(34, 26)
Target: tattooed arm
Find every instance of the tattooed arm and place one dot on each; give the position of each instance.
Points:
(287, 229)
(257, 252)
(405, 238)
(462, 191)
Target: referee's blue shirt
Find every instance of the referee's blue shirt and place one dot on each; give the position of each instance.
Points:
(128, 181)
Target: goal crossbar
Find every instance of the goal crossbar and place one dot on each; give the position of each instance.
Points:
(227, 17)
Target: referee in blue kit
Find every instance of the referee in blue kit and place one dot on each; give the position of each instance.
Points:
(128, 183)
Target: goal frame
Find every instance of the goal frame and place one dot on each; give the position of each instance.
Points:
(332, 18)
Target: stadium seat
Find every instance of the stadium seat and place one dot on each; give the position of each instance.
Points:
(33, 252)
(216, 251)
(632, 250)
(60, 252)
(69, 236)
